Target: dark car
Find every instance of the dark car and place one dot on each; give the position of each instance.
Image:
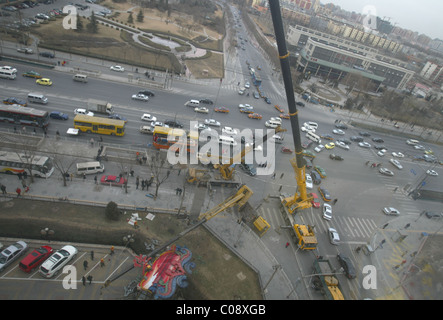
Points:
(58, 115)
(315, 177)
(173, 123)
(47, 54)
(378, 140)
(335, 157)
(432, 215)
(148, 93)
(14, 100)
(364, 134)
(309, 164)
(380, 147)
(345, 141)
(356, 139)
(325, 194)
(301, 104)
(207, 101)
(341, 126)
(116, 117)
(249, 169)
(347, 266)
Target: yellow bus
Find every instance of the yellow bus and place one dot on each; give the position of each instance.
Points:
(99, 125)
(161, 141)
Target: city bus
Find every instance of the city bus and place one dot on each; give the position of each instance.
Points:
(99, 125)
(256, 80)
(161, 141)
(24, 116)
(18, 163)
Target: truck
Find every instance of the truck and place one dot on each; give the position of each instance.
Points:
(102, 107)
(325, 281)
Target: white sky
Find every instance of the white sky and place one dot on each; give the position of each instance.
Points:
(423, 16)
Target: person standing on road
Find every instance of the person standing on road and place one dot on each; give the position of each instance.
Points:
(335, 201)
(137, 182)
(287, 244)
(84, 280)
(95, 179)
(3, 188)
(19, 191)
(92, 254)
(90, 279)
(85, 264)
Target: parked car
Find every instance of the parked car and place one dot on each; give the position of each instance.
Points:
(347, 266)
(364, 134)
(378, 140)
(58, 115)
(342, 145)
(386, 172)
(315, 177)
(309, 183)
(341, 126)
(321, 171)
(396, 163)
(324, 194)
(57, 261)
(432, 173)
(364, 144)
(11, 253)
(433, 215)
(315, 201)
(339, 132)
(335, 157)
(35, 258)
(356, 139)
(330, 145)
(248, 168)
(112, 180)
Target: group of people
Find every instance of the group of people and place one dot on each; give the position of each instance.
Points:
(145, 183)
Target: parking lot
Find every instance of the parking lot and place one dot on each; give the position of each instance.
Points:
(16, 284)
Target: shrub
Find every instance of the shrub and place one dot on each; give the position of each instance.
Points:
(112, 212)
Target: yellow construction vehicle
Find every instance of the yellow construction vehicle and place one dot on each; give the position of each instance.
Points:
(325, 280)
(305, 236)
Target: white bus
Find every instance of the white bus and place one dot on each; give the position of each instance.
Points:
(8, 74)
(18, 163)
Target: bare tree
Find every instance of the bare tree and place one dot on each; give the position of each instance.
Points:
(159, 170)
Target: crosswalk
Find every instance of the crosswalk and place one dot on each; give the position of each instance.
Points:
(357, 229)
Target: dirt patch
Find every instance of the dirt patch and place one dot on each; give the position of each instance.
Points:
(217, 271)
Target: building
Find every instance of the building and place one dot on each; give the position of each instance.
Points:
(433, 72)
(335, 57)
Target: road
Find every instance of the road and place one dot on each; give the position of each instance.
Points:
(361, 191)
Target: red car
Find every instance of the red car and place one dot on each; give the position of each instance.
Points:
(113, 180)
(35, 258)
(315, 201)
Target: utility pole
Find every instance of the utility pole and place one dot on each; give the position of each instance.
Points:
(276, 268)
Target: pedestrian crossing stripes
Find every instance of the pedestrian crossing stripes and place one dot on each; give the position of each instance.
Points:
(352, 228)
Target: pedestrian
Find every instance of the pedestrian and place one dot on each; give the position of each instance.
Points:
(84, 280)
(19, 191)
(137, 181)
(287, 244)
(112, 250)
(3, 188)
(92, 254)
(176, 191)
(367, 162)
(143, 184)
(92, 142)
(102, 262)
(335, 201)
(72, 176)
(15, 129)
(395, 189)
(273, 176)
(180, 191)
(90, 279)
(23, 183)
(25, 175)
(179, 171)
(282, 175)
(85, 264)
(95, 179)
(84, 176)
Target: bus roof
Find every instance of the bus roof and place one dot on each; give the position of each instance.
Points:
(24, 110)
(165, 130)
(23, 158)
(99, 120)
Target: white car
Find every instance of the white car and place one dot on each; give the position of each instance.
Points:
(140, 97)
(339, 132)
(364, 144)
(147, 129)
(241, 106)
(117, 68)
(381, 153)
(57, 261)
(229, 131)
(201, 109)
(398, 154)
(247, 85)
(327, 211)
(201, 126)
(148, 117)
(309, 184)
(308, 129)
(334, 238)
(311, 124)
(386, 172)
(419, 147)
(396, 163)
(8, 68)
(270, 124)
(432, 173)
(342, 145)
(391, 211)
(276, 119)
(212, 122)
(319, 148)
(157, 124)
(84, 112)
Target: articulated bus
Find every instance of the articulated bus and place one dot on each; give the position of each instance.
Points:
(161, 141)
(15, 163)
(99, 125)
(24, 116)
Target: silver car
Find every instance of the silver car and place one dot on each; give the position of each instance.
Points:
(334, 238)
(11, 253)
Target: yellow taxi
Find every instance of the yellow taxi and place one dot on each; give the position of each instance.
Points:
(284, 115)
(221, 109)
(280, 109)
(44, 82)
(255, 116)
(330, 145)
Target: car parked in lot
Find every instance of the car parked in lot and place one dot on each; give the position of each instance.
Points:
(378, 140)
(432, 172)
(12, 252)
(347, 266)
(35, 258)
(327, 137)
(398, 154)
(330, 145)
(364, 144)
(112, 180)
(14, 100)
(32, 74)
(58, 115)
(356, 139)
(391, 211)
(315, 177)
(341, 126)
(364, 134)
(44, 82)
(57, 261)
(433, 215)
(339, 132)
(309, 183)
(319, 148)
(335, 157)
(321, 171)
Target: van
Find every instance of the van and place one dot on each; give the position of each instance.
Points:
(312, 136)
(8, 74)
(80, 78)
(227, 140)
(37, 98)
(272, 124)
(412, 142)
(192, 103)
(90, 167)
(277, 138)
